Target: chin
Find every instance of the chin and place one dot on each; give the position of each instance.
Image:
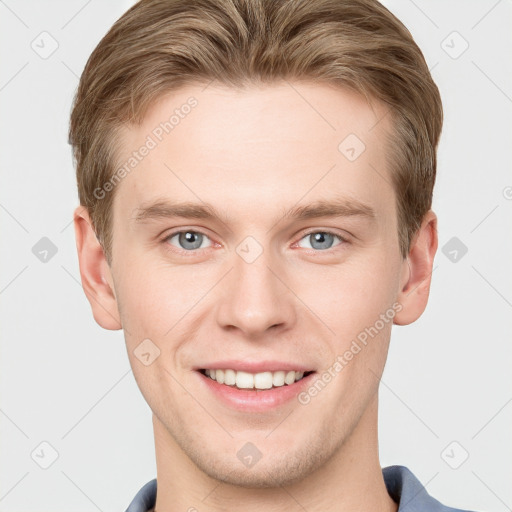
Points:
(271, 471)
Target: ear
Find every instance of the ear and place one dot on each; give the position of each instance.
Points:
(97, 280)
(417, 272)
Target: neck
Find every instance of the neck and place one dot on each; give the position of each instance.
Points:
(351, 480)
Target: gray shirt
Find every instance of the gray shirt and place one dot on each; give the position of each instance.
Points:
(402, 486)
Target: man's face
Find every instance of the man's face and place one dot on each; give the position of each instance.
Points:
(260, 285)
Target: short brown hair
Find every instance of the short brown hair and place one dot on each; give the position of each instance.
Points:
(158, 46)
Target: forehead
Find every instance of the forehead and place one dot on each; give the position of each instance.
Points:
(259, 147)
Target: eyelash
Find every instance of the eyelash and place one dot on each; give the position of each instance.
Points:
(174, 249)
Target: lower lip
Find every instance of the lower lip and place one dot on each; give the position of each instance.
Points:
(255, 400)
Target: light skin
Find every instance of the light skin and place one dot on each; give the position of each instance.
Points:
(253, 155)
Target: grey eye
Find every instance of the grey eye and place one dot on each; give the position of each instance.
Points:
(320, 240)
(189, 240)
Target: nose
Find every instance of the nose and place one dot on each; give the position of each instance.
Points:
(254, 300)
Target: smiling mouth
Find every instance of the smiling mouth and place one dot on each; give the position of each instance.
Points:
(255, 381)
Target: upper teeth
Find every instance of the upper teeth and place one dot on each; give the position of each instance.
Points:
(264, 380)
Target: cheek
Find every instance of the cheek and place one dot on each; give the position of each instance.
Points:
(153, 297)
(351, 296)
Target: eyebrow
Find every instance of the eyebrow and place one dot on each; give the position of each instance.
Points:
(340, 207)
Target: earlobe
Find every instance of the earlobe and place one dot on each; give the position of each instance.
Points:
(95, 273)
(417, 272)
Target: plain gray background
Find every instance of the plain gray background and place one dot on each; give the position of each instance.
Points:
(446, 409)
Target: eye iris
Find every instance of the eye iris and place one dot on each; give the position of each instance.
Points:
(190, 237)
(325, 240)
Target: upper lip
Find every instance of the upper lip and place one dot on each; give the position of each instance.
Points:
(254, 366)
